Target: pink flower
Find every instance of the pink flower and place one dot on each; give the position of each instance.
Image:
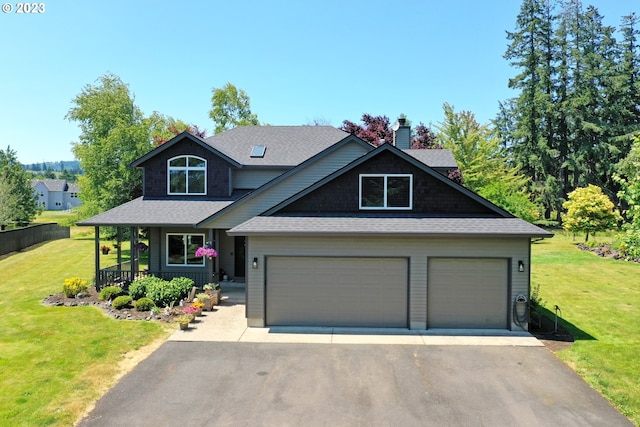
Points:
(190, 310)
(208, 252)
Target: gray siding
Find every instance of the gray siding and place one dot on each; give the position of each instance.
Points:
(155, 246)
(250, 179)
(418, 250)
(288, 186)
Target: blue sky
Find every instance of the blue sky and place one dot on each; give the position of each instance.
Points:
(297, 60)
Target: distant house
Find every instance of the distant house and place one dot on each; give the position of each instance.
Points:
(56, 194)
(325, 229)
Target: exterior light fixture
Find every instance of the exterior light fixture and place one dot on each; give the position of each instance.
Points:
(255, 263)
(520, 266)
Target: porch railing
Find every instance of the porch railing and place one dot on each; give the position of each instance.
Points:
(120, 277)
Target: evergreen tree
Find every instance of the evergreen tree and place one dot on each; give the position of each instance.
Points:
(578, 98)
(532, 144)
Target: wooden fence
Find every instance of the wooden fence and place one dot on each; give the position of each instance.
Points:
(21, 238)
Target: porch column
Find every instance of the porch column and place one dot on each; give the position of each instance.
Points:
(96, 245)
(216, 262)
(119, 248)
(133, 238)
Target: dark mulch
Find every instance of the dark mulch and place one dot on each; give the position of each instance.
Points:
(604, 250)
(92, 298)
(554, 339)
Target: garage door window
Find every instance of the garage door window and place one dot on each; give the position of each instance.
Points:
(390, 191)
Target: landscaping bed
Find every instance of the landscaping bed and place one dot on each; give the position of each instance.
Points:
(92, 298)
(606, 251)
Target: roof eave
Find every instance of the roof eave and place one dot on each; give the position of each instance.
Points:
(275, 233)
(138, 162)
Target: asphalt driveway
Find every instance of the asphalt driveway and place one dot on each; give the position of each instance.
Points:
(268, 384)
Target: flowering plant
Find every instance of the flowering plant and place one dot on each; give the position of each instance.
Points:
(190, 310)
(197, 304)
(208, 252)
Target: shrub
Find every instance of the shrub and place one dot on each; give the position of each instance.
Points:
(144, 304)
(138, 288)
(110, 292)
(183, 284)
(164, 293)
(122, 301)
(73, 286)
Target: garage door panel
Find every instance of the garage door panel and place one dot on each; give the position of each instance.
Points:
(327, 291)
(467, 293)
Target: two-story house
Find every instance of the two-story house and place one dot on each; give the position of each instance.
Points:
(326, 230)
(56, 194)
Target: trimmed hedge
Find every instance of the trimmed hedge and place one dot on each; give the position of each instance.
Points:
(144, 304)
(123, 301)
(111, 292)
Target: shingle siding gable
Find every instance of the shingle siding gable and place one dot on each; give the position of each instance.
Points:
(155, 171)
(431, 196)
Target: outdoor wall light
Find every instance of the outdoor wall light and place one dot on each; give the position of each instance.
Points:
(520, 266)
(255, 263)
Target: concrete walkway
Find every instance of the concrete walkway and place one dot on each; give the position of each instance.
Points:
(227, 323)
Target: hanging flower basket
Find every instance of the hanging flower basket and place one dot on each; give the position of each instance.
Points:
(206, 252)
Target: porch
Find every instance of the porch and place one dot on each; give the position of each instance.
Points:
(122, 275)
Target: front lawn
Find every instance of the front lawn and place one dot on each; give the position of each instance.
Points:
(599, 301)
(56, 361)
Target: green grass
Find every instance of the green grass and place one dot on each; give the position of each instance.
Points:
(56, 361)
(599, 301)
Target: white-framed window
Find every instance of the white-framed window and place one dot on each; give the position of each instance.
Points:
(187, 175)
(181, 249)
(386, 191)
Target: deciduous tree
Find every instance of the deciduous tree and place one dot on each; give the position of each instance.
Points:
(231, 107)
(589, 210)
(113, 134)
(17, 202)
(484, 163)
(628, 177)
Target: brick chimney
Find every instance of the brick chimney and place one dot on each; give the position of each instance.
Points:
(402, 134)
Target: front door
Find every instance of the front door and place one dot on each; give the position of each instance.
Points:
(240, 257)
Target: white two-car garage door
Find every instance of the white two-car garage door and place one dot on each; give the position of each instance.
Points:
(467, 293)
(332, 291)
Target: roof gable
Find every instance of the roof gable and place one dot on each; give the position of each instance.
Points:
(332, 157)
(433, 194)
(52, 184)
(176, 140)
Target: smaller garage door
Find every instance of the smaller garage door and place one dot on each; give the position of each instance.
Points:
(467, 293)
(327, 291)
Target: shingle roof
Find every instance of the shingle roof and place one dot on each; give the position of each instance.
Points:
(147, 213)
(51, 184)
(434, 158)
(423, 227)
(285, 145)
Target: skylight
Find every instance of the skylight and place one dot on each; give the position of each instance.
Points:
(258, 151)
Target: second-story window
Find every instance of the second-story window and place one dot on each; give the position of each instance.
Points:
(187, 175)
